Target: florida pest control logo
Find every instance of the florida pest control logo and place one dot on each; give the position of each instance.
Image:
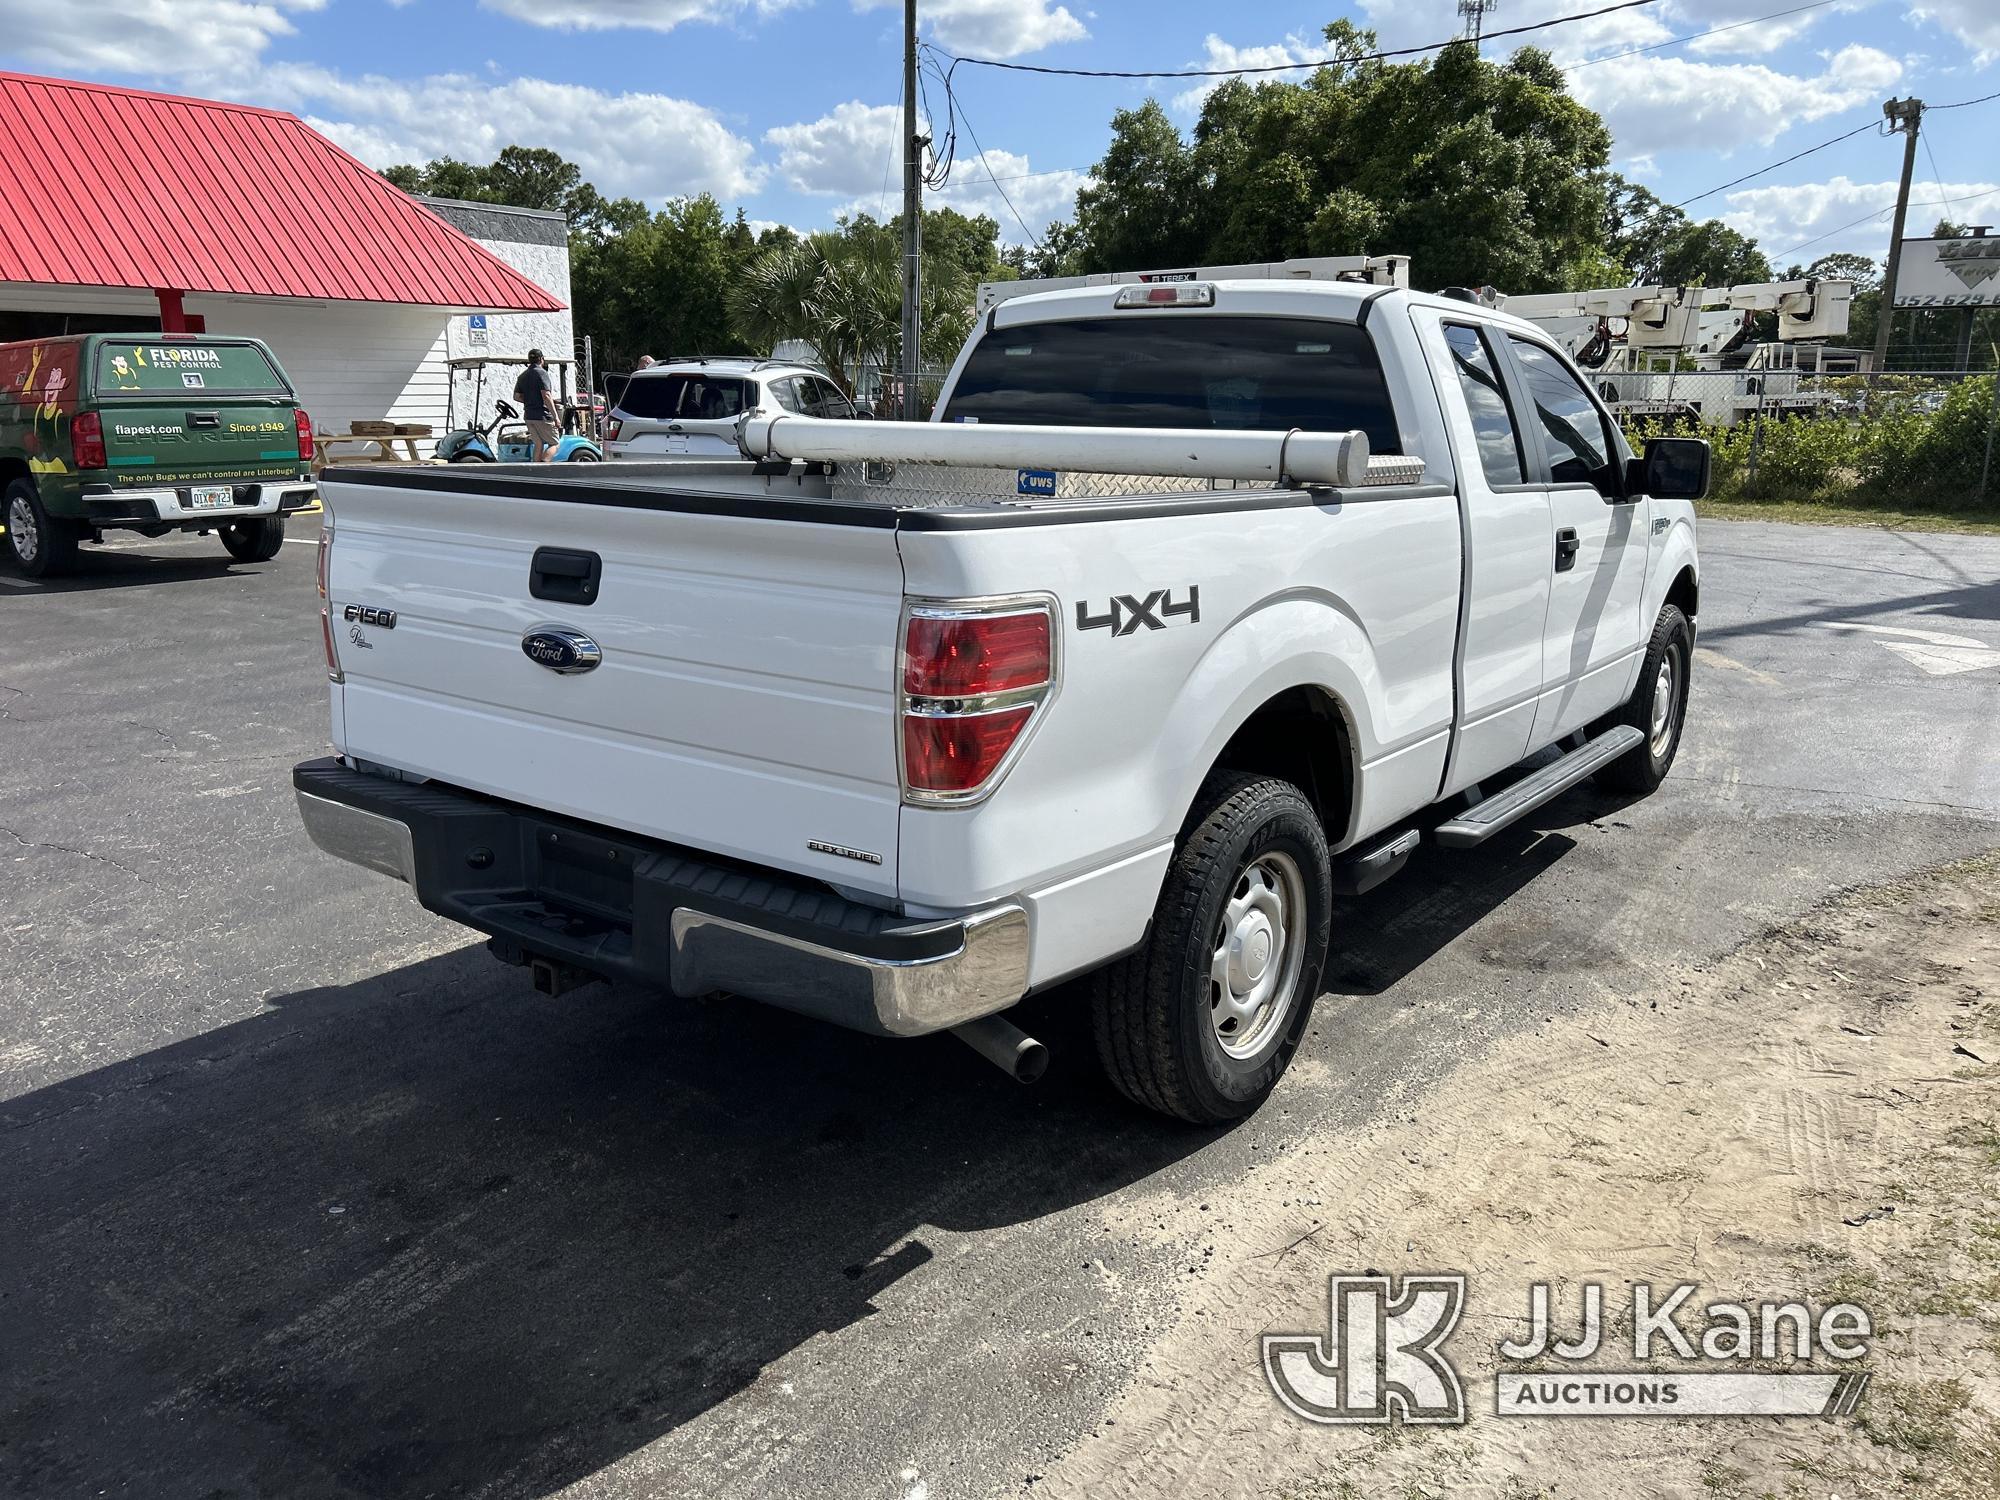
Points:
(1381, 1358)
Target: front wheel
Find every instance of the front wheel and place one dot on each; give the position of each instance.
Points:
(586, 456)
(1657, 708)
(1202, 1020)
(256, 540)
(39, 544)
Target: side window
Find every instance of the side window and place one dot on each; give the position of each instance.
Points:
(786, 393)
(827, 400)
(1486, 400)
(1579, 444)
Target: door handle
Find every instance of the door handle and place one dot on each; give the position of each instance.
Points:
(565, 577)
(204, 419)
(1566, 547)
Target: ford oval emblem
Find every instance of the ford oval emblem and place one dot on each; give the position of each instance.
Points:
(561, 649)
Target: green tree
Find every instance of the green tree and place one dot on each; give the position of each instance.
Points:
(1711, 254)
(1481, 172)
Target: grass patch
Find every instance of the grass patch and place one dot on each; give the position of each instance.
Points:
(1984, 522)
(1917, 1416)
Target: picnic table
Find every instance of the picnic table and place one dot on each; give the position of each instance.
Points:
(354, 445)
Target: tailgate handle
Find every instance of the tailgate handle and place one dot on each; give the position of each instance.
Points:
(204, 419)
(564, 576)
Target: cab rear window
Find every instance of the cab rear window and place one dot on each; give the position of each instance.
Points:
(147, 366)
(688, 398)
(1234, 373)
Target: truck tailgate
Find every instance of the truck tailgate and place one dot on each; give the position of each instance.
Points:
(744, 704)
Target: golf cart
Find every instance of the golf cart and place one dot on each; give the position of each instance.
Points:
(505, 439)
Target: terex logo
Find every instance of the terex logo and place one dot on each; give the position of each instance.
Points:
(1379, 1356)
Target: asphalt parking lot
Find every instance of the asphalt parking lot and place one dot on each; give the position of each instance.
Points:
(305, 1195)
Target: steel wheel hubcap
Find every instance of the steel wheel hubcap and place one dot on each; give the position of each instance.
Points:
(1258, 951)
(1665, 702)
(21, 526)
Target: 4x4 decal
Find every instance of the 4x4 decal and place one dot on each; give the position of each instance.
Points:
(1124, 614)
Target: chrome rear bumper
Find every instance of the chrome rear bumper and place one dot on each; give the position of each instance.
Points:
(670, 918)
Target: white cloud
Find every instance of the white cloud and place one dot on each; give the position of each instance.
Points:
(1655, 103)
(1038, 197)
(1974, 22)
(146, 38)
(851, 154)
(846, 152)
(1408, 23)
(1825, 213)
(994, 28)
(615, 15)
(1220, 54)
(649, 146)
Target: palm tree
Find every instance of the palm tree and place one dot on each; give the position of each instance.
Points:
(843, 293)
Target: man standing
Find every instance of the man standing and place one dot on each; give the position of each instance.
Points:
(538, 408)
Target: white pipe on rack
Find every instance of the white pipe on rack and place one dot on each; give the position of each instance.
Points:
(1331, 458)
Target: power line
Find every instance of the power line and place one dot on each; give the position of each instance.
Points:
(1325, 62)
(1695, 36)
(1982, 99)
(1796, 156)
(955, 115)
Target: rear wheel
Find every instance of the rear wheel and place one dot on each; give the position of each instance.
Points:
(40, 545)
(1202, 1021)
(254, 541)
(1657, 708)
(586, 456)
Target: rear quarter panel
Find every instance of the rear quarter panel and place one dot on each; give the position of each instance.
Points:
(1359, 598)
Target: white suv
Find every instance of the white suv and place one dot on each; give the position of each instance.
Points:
(687, 408)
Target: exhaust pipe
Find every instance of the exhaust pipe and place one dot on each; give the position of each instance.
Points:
(1006, 1046)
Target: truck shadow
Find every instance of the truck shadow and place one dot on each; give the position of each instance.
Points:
(97, 570)
(430, 1233)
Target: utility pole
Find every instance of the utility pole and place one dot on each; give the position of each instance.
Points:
(913, 219)
(1904, 116)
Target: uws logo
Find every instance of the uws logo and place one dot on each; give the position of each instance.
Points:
(1974, 260)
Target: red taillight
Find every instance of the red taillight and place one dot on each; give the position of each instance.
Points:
(964, 656)
(974, 674)
(612, 427)
(86, 440)
(951, 754)
(305, 426)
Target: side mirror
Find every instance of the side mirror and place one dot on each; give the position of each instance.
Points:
(1674, 468)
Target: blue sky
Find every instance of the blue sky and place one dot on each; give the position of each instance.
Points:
(787, 107)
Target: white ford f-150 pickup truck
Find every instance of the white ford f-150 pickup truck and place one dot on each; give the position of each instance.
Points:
(1199, 604)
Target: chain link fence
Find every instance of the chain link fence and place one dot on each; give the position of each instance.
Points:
(1906, 439)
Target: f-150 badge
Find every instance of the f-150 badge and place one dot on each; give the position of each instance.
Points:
(1125, 614)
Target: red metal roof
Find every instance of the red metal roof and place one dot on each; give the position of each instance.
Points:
(114, 187)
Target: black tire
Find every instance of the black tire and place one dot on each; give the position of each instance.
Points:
(256, 540)
(1666, 672)
(470, 458)
(1160, 1014)
(585, 456)
(50, 541)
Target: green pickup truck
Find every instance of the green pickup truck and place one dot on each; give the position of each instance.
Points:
(147, 432)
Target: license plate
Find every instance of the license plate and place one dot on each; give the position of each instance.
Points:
(210, 498)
